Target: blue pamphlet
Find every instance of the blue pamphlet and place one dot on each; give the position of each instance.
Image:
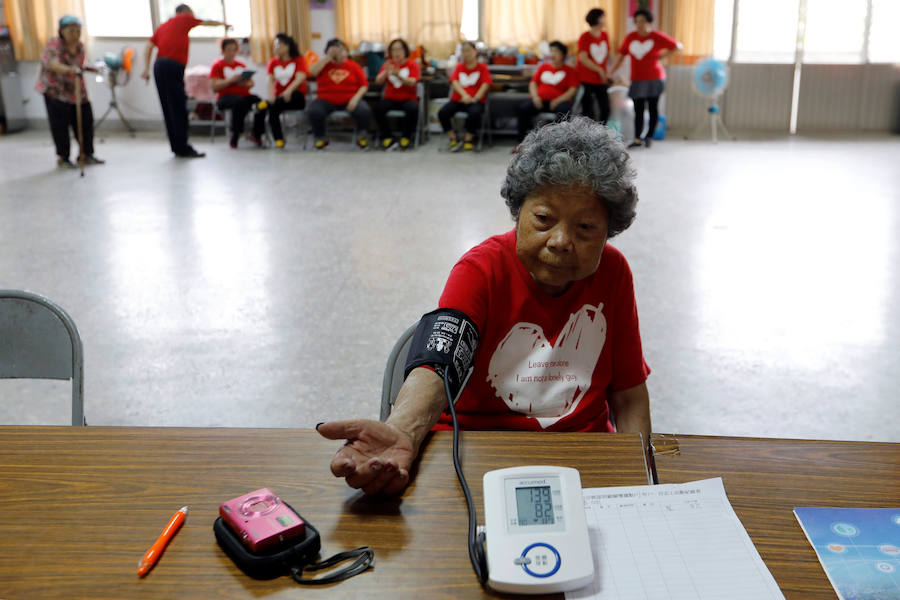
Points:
(859, 549)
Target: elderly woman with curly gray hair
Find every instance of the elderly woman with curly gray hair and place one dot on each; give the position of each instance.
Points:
(559, 347)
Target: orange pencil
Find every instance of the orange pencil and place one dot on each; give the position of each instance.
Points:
(160, 544)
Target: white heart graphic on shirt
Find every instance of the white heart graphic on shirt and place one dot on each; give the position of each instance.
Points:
(543, 381)
(599, 51)
(232, 71)
(284, 74)
(552, 77)
(395, 81)
(338, 75)
(469, 79)
(640, 49)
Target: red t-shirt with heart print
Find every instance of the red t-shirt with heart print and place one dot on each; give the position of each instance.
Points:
(222, 70)
(598, 49)
(542, 362)
(470, 79)
(394, 88)
(285, 71)
(553, 82)
(644, 53)
(337, 84)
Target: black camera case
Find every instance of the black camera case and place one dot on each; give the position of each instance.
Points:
(278, 561)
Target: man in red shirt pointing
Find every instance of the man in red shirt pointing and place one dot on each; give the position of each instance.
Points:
(171, 41)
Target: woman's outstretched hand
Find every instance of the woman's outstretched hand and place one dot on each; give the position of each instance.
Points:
(376, 458)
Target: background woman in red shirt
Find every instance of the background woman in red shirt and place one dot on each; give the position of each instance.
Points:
(648, 78)
(593, 53)
(340, 85)
(287, 83)
(469, 83)
(233, 87)
(399, 75)
(552, 89)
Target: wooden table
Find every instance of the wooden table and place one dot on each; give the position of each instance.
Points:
(765, 479)
(80, 506)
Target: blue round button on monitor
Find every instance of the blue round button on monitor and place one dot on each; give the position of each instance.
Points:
(540, 565)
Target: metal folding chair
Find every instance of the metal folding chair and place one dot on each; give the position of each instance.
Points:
(393, 371)
(38, 340)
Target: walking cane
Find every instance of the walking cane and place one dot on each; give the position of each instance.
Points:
(79, 125)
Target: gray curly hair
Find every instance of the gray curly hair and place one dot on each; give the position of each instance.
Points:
(578, 152)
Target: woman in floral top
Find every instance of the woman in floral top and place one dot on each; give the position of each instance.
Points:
(62, 63)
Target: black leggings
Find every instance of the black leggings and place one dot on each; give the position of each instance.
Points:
(297, 102)
(640, 104)
(239, 107)
(601, 93)
(63, 115)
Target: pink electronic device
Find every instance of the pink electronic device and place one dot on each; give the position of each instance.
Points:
(262, 520)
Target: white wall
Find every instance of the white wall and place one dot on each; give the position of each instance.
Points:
(832, 98)
(322, 23)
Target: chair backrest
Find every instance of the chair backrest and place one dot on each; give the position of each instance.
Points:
(38, 340)
(576, 103)
(393, 371)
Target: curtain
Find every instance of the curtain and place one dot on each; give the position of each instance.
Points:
(433, 24)
(33, 22)
(565, 20)
(525, 23)
(268, 17)
(691, 22)
(694, 26)
(514, 22)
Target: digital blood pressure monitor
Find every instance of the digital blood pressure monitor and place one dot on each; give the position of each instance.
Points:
(536, 533)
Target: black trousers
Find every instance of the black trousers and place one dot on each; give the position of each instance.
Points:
(239, 107)
(474, 112)
(62, 115)
(652, 104)
(410, 109)
(320, 109)
(169, 76)
(297, 102)
(601, 93)
(526, 111)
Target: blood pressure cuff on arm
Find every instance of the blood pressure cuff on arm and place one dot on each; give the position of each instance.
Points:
(445, 340)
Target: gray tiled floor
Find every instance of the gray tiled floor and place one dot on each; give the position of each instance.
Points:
(265, 288)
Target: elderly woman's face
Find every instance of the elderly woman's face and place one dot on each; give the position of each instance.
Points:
(71, 33)
(560, 235)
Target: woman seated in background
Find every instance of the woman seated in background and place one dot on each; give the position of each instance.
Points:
(470, 83)
(593, 53)
(62, 63)
(558, 347)
(231, 83)
(340, 85)
(399, 75)
(287, 83)
(648, 77)
(552, 88)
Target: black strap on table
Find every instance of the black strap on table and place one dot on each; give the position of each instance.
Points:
(365, 558)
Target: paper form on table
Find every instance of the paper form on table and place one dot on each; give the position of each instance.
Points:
(674, 541)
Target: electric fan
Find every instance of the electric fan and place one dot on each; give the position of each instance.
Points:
(710, 81)
(116, 70)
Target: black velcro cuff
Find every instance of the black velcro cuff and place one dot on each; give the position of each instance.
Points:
(445, 339)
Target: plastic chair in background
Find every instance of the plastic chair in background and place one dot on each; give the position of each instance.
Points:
(38, 340)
